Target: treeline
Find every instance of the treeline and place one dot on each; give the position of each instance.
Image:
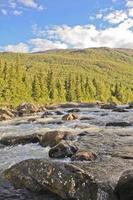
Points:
(19, 83)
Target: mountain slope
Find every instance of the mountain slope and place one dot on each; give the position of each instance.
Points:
(67, 75)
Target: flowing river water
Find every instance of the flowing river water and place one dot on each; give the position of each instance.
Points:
(10, 155)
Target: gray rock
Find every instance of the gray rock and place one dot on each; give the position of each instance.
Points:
(120, 124)
(66, 180)
(52, 138)
(15, 140)
(62, 150)
(124, 188)
(70, 117)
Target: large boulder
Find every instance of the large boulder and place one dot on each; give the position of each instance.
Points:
(66, 180)
(62, 150)
(27, 108)
(124, 188)
(52, 138)
(70, 117)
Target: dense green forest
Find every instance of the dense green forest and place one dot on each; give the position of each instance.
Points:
(87, 75)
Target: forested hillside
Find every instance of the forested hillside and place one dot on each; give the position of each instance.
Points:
(67, 75)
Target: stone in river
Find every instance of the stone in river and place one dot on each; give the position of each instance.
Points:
(124, 188)
(84, 156)
(66, 180)
(119, 124)
(15, 140)
(62, 150)
(70, 117)
(52, 138)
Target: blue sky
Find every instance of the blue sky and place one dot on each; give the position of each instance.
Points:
(38, 25)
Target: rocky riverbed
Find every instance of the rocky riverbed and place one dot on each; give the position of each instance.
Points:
(69, 151)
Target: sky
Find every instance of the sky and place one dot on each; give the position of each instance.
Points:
(39, 25)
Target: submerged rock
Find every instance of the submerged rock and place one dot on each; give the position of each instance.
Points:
(120, 124)
(86, 118)
(120, 110)
(70, 117)
(74, 110)
(58, 112)
(46, 114)
(62, 150)
(84, 156)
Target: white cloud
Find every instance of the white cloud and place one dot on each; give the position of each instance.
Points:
(130, 12)
(129, 3)
(90, 36)
(17, 12)
(21, 47)
(43, 45)
(12, 4)
(4, 12)
(30, 4)
(99, 16)
(78, 37)
(116, 17)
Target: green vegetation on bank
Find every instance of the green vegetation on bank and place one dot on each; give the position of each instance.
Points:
(67, 75)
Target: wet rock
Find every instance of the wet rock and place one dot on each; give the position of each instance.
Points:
(8, 192)
(10, 140)
(109, 106)
(62, 150)
(66, 180)
(52, 138)
(124, 188)
(27, 108)
(120, 110)
(119, 124)
(82, 134)
(42, 109)
(58, 112)
(84, 156)
(86, 118)
(53, 122)
(104, 114)
(32, 119)
(70, 117)
(80, 126)
(4, 117)
(46, 114)
(74, 110)
(6, 114)
(7, 111)
(52, 107)
(130, 105)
